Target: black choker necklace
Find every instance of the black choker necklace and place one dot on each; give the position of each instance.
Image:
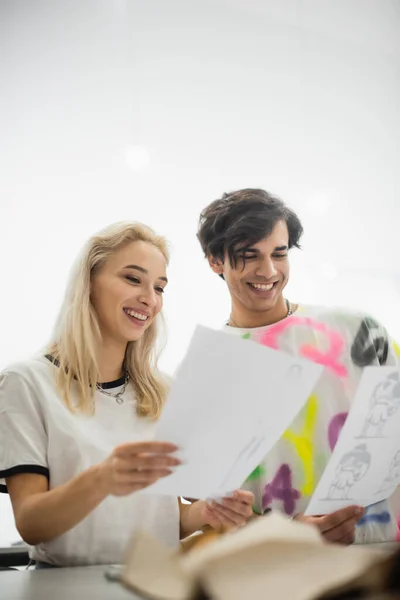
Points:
(118, 396)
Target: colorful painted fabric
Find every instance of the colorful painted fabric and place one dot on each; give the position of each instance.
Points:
(343, 342)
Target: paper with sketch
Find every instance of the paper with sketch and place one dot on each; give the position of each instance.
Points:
(230, 402)
(365, 465)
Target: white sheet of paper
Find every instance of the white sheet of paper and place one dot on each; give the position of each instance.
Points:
(365, 465)
(230, 402)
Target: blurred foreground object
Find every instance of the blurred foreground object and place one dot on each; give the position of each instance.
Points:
(286, 558)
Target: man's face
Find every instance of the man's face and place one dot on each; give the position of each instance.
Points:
(261, 272)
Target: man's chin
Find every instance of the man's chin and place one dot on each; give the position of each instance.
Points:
(260, 305)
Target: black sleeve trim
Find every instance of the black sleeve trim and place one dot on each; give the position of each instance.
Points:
(36, 469)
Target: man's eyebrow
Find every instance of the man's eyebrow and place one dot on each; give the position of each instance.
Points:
(142, 270)
(246, 249)
(252, 249)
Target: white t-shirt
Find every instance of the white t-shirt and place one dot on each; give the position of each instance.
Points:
(38, 434)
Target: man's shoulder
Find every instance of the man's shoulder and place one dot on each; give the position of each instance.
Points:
(368, 339)
(341, 317)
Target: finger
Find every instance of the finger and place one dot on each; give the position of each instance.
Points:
(133, 477)
(348, 539)
(349, 533)
(341, 532)
(229, 514)
(240, 508)
(225, 522)
(333, 520)
(145, 462)
(211, 518)
(131, 448)
(163, 460)
(243, 496)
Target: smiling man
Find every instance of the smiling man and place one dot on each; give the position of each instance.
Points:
(246, 236)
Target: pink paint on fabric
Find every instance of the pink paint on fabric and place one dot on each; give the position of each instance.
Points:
(329, 359)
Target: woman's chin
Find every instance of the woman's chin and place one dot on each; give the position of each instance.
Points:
(134, 334)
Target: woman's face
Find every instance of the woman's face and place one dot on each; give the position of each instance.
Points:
(127, 292)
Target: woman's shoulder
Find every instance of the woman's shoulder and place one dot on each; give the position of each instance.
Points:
(36, 370)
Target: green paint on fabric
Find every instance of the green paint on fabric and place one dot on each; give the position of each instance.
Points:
(256, 474)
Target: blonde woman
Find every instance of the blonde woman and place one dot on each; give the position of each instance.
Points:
(76, 423)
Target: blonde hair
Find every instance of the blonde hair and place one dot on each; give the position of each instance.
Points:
(77, 333)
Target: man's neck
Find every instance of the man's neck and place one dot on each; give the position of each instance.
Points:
(110, 361)
(248, 319)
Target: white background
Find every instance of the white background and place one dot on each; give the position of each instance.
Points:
(299, 97)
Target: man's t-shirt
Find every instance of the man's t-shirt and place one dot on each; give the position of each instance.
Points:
(344, 343)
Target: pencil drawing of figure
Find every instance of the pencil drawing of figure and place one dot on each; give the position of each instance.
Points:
(393, 477)
(351, 469)
(384, 403)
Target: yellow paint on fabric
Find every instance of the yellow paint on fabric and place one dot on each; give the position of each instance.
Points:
(303, 444)
(396, 348)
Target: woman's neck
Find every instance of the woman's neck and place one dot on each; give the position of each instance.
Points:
(110, 361)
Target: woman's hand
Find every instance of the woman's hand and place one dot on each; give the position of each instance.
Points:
(136, 465)
(230, 512)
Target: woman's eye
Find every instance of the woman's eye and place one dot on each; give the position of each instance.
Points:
(279, 255)
(159, 290)
(132, 279)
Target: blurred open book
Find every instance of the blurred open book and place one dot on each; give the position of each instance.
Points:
(271, 557)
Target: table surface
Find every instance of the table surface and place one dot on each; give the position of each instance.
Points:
(13, 549)
(62, 584)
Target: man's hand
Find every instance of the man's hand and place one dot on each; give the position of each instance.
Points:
(337, 527)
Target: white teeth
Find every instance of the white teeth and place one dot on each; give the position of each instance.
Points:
(139, 316)
(261, 286)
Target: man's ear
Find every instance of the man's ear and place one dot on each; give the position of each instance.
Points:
(216, 265)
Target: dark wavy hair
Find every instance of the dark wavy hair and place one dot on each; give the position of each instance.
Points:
(241, 219)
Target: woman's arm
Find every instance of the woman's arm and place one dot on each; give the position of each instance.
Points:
(42, 514)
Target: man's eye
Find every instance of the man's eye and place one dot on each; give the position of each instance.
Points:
(247, 255)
